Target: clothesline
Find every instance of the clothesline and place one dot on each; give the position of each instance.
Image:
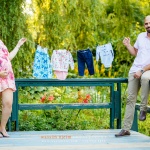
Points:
(61, 59)
(109, 41)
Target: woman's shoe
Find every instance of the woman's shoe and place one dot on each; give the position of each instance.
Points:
(6, 136)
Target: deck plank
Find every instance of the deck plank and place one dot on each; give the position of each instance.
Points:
(72, 140)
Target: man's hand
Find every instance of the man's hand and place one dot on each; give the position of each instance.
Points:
(126, 41)
(137, 74)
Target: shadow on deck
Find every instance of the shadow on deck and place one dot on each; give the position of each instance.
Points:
(72, 140)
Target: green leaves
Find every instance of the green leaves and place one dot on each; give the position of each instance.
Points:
(69, 24)
(13, 27)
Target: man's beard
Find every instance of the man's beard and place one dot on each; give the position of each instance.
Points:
(148, 30)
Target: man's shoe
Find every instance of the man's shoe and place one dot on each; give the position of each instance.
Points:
(142, 116)
(122, 133)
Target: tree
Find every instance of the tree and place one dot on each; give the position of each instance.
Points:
(12, 28)
(72, 25)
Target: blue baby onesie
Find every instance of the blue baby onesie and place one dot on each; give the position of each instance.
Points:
(42, 68)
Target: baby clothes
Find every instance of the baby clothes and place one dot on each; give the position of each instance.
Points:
(5, 65)
(105, 52)
(85, 57)
(61, 75)
(61, 60)
(42, 66)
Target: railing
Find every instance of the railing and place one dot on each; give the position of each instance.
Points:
(135, 121)
(114, 104)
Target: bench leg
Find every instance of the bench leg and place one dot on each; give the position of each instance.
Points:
(135, 122)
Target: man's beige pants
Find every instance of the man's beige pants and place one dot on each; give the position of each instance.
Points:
(134, 86)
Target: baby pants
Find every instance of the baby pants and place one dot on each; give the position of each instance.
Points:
(85, 57)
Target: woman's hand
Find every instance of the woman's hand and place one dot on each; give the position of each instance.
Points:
(13, 53)
(21, 42)
(3, 74)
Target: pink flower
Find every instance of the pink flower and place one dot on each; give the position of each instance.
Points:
(43, 98)
(85, 101)
(50, 98)
(88, 96)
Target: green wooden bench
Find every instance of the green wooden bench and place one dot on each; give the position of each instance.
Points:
(114, 103)
(135, 121)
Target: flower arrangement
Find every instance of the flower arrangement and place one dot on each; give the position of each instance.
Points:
(83, 98)
(47, 99)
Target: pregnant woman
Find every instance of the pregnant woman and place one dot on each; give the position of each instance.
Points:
(7, 83)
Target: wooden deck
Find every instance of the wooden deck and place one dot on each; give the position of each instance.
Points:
(73, 140)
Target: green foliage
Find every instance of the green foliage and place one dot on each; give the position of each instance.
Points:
(70, 24)
(75, 24)
(63, 120)
(12, 28)
(70, 119)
